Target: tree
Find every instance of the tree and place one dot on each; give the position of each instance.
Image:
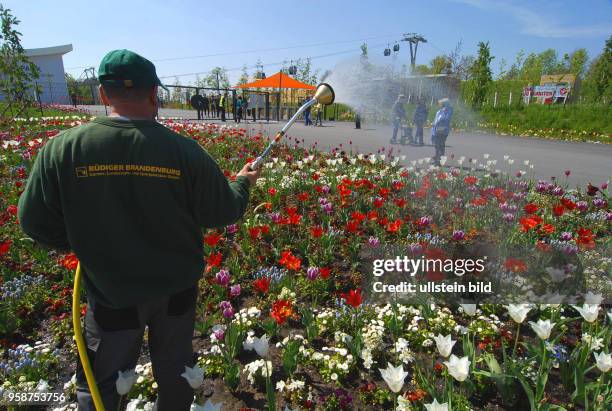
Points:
(244, 76)
(597, 82)
(177, 91)
(481, 72)
(503, 64)
(548, 61)
(440, 65)
(77, 87)
(577, 62)
(422, 69)
(17, 73)
(531, 69)
(217, 78)
(304, 73)
(515, 69)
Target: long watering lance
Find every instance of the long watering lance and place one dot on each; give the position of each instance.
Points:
(323, 95)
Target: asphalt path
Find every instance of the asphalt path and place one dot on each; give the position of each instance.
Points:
(587, 162)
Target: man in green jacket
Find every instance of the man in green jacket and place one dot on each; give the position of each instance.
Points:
(130, 198)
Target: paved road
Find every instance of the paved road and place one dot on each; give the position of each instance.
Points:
(588, 162)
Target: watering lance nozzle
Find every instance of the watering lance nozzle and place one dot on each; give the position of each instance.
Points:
(324, 94)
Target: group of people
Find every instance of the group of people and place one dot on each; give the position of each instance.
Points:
(242, 110)
(213, 106)
(318, 112)
(439, 129)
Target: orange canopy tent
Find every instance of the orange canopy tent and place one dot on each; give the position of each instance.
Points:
(278, 80)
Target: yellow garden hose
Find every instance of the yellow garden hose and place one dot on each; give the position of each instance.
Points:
(80, 341)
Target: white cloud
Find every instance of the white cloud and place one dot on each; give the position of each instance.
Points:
(541, 25)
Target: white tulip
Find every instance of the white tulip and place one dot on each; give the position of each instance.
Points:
(518, 312)
(436, 406)
(125, 380)
(459, 368)
(261, 345)
(444, 344)
(469, 309)
(394, 376)
(603, 361)
(588, 311)
(194, 376)
(542, 328)
(593, 299)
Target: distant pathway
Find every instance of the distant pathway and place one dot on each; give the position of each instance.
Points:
(588, 162)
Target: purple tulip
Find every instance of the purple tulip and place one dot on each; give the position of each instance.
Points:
(275, 217)
(566, 236)
(235, 290)
(219, 334)
(458, 235)
(373, 242)
(224, 305)
(223, 278)
(508, 217)
(228, 312)
(599, 202)
(325, 189)
(582, 205)
(558, 191)
(424, 221)
(312, 273)
(231, 229)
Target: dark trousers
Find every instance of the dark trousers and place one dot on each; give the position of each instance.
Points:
(307, 121)
(114, 338)
(439, 141)
(222, 110)
(319, 119)
(419, 133)
(396, 126)
(254, 114)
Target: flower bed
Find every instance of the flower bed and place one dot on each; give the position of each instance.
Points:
(282, 319)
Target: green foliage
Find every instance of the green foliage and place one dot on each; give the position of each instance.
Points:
(290, 357)
(244, 76)
(481, 71)
(597, 85)
(18, 72)
(217, 78)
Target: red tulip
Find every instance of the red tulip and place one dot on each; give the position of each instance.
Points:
(5, 246)
(353, 297)
(281, 310)
(262, 285)
(70, 261)
(530, 208)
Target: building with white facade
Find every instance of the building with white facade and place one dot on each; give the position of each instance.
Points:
(52, 79)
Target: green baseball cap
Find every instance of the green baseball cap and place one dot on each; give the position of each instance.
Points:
(124, 68)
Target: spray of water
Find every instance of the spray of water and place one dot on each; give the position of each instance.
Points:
(371, 89)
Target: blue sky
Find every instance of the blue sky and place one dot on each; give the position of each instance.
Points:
(328, 31)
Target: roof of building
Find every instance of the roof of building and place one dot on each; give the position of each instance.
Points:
(49, 51)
